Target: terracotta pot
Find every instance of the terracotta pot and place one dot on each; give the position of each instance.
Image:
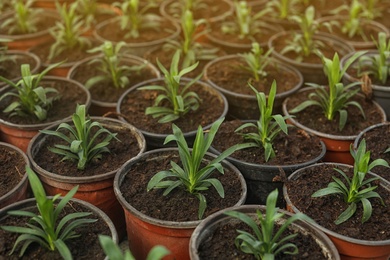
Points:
(205, 231)
(375, 137)
(98, 106)
(20, 190)
(25, 41)
(132, 46)
(348, 247)
(96, 189)
(21, 134)
(244, 106)
(337, 146)
(30, 204)
(311, 72)
(13, 67)
(380, 93)
(143, 231)
(371, 28)
(156, 139)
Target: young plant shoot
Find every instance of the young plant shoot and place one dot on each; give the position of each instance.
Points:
(334, 98)
(268, 126)
(47, 228)
(25, 18)
(191, 176)
(256, 61)
(356, 189)
(81, 142)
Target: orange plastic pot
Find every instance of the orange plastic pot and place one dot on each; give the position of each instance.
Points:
(98, 189)
(143, 231)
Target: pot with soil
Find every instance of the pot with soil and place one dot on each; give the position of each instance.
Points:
(13, 178)
(166, 211)
(106, 86)
(214, 237)
(353, 238)
(376, 138)
(22, 122)
(96, 173)
(152, 106)
(230, 75)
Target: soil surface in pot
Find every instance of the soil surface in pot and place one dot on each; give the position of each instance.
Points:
(135, 102)
(105, 91)
(377, 141)
(12, 165)
(325, 210)
(10, 69)
(86, 246)
(313, 117)
(294, 148)
(120, 152)
(230, 75)
(71, 95)
(178, 205)
(220, 244)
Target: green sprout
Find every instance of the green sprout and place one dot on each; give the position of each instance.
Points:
(68, 32)
(267, 242)
(110, 65)
(114, 252)
(134, 18)
(24, 19)
(283, 9)
(303, 42)
(180, 98)
(31, 98)
(178, 8)
(189, 46)
(256, 61)
(335, 98)
(81, 141)
(47, 228)
(268, 126)
(357, 189)
(191, 176)
(377, 65)
(246, 24)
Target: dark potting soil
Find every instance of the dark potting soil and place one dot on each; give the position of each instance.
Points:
(377, 141)
(313, 117)
(220, 244)
(325, 210)
(60, 109)
(134, 104)
(12, 166)
(10, 69)
(178, 205)
(120, 152)
(105, 91)
(294, 148)
(228, 74)
(86, 246)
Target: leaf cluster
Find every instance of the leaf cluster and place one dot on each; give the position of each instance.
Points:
(193, 176)
(25, 18)
(267, 241)
(110, 65)
(31, 99)
(246, 23)
(114, 252)
(268, 126)
(178, 8)
(283, 9)
(377, 65)
(68, 33)
(82, 143)
(47, 228)
(256, 61)
(179, 97)
(357, 189)
(191, 49)
(336, 97)
(134, 18)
